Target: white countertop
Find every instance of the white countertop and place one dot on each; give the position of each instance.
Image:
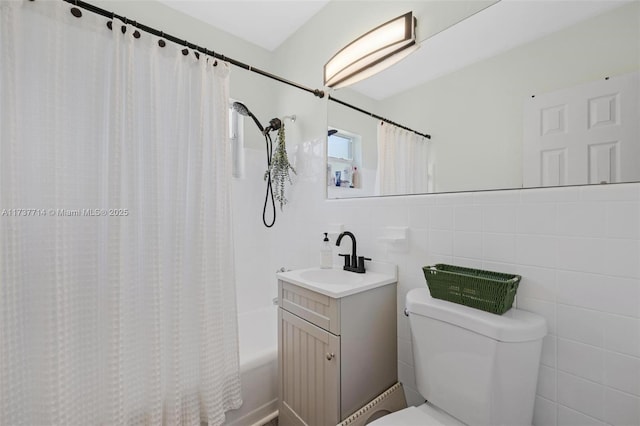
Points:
(338, 283)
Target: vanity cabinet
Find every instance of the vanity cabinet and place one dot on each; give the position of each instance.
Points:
(334, 354)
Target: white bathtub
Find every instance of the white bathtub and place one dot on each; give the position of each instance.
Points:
(258, 367)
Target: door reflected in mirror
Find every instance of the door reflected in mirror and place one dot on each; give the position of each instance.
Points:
(560, 109)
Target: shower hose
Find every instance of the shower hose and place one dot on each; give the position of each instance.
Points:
(269, 194)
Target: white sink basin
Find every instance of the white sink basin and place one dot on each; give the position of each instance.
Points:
(331, 276)
(338, 283)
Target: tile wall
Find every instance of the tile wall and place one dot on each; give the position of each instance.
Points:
(577, 248)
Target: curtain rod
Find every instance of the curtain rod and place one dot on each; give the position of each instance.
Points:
(95, 9)
(331, 98)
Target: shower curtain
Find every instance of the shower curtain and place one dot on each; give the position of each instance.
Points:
(405, 163)
(117, 294)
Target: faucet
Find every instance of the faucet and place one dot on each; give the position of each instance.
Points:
(355, 263)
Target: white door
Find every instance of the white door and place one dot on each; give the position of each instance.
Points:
(584, 134)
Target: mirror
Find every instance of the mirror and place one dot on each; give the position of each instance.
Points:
(520, 94)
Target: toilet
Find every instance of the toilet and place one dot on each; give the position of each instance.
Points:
(472, 367)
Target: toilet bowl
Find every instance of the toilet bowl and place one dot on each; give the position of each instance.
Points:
(422, 415)
(473, 367)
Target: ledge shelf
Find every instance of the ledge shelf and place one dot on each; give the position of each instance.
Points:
(396, 237)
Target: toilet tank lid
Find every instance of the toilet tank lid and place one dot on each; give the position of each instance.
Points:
(513, 326)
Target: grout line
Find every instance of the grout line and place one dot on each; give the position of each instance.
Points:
(579, 412)
(605, 386)
(555, 372)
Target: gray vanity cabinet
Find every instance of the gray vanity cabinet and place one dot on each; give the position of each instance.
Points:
(334, 354)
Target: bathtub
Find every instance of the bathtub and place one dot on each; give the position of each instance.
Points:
(258, 334)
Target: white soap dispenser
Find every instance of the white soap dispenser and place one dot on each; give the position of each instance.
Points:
(326, 254)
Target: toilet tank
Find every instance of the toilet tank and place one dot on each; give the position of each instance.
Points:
(479, 367)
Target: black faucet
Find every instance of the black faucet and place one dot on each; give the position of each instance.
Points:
(353, 263)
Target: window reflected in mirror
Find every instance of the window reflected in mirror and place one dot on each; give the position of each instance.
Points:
(340, 146)
(346, 176)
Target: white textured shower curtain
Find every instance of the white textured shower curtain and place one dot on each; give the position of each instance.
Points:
(117, 296)
(405, 163)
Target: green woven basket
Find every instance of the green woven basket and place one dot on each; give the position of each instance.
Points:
(486, 290)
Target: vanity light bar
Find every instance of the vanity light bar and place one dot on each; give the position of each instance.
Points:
(372, 52)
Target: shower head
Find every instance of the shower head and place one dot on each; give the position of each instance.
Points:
(332, 132)
(243, 110)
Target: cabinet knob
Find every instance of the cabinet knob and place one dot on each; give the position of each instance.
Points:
(330, 356)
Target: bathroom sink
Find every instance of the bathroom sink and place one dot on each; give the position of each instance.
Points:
(338, 283)
(331, 276)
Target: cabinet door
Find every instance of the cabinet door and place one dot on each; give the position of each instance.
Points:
(309, 373)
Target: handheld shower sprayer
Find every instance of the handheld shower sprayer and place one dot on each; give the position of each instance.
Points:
(274, 124)
(243, 110)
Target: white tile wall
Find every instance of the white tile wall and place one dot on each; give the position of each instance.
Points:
(622, 372)
(569, 417)
(621, 408)
(549, 351)
(581, 360)
(581, 395)
(577, 248)
(499, 247)
(581, 219)
(255, 285)
(499, 218)
(622, 220)
(536, 218)
(547, 386)
(544, 412)
(581, 325)
(622, 334)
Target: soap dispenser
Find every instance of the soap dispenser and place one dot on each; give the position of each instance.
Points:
(326, 254)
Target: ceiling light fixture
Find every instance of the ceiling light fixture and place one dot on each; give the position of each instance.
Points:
(372, 52)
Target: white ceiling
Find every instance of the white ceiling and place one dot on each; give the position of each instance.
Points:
(266, 23)
(496, 29)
